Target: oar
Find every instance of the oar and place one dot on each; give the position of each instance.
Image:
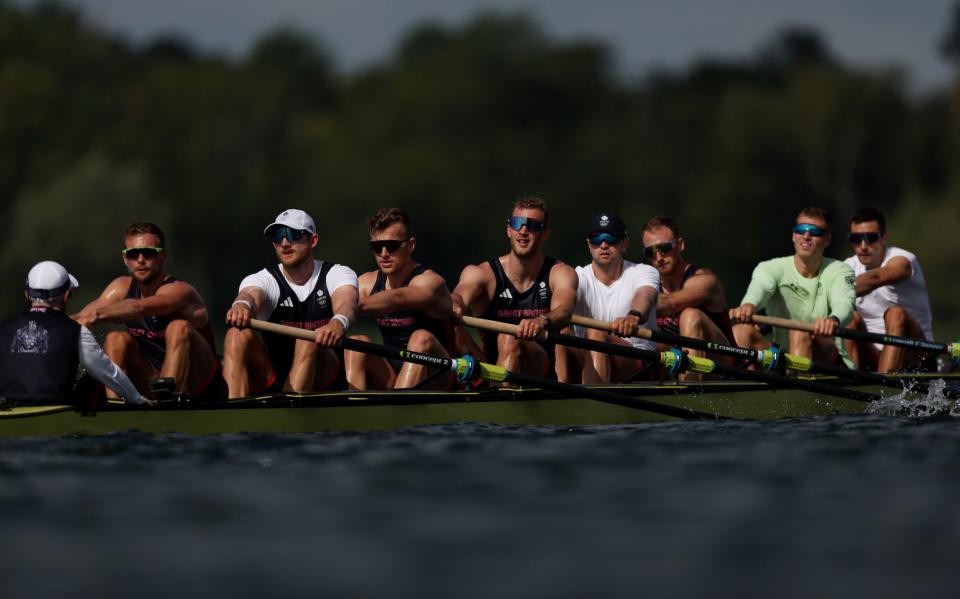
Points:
(766, 357)
(934, 346)
(467, 367)
(677, 361)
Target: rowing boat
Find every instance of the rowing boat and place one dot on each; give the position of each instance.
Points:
(384, 410)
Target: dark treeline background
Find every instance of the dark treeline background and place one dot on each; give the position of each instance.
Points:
(96, 132)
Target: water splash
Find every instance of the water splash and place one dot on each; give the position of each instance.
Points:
(912, 403)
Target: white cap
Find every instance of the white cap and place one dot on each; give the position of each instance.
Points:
(295, 219)
(49, 279)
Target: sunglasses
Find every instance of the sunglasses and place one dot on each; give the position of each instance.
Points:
(598, 238)
(146, 252)
(533, 225)
(663, 248)
(813, 230)
(292, 235)
(858, 238)
(391, 245)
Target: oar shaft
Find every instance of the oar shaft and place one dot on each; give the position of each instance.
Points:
(652, 356)
(856, 335)
(490, 372)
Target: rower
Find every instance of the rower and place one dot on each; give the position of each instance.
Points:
(805, 286)
(891, 295)
(692, 302)
(301, 292)
(41, 347)
(615, 290)
(412, 307)
(167, 326)
(522, 287)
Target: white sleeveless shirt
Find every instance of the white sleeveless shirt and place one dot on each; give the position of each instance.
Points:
(910, 294)
(603, 302)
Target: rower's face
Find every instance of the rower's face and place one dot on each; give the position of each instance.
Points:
(657, 240)
(388, 261)
(524, 242)
(807, 245)
(869, 254)
(606, 253)
(144, 266)
(292, 254)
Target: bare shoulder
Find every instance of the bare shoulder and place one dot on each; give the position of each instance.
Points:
(562, 272)
(181, 289)
(366, 281)
(429, 278)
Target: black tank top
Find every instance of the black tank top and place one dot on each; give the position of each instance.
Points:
(150, 333)
(510, 305)
(396, 327)
(310, 314)
(670, 323)
(38, 356)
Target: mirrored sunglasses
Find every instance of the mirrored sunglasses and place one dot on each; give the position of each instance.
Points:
(663, 248)
(858, 238)
(598, 238)
(391, 245)
(533, 225)
(146, 252)
(813, 230)
(278, 234)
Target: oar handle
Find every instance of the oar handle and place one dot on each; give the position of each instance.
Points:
(282, 329)
(496, 326)
(783, 323)
(602, 325)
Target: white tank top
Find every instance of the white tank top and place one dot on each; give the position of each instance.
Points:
(910, 294)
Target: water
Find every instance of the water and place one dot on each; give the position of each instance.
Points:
(847, 506)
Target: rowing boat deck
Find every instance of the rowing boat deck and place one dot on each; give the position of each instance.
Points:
(381, 410)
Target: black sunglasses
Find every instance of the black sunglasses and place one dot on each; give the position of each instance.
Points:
(146, 252)
(292, 235)
(391, 245)
(858, 238)
(533, 225)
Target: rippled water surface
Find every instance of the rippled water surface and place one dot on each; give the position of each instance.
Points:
(847, 506)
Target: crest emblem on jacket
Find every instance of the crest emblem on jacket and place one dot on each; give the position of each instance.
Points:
(30, 339)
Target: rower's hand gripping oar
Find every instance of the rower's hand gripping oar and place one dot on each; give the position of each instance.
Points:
(677, 361)
(953, 349)
(467, 368)
(772, 359)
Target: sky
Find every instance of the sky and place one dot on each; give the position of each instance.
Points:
(644, 34)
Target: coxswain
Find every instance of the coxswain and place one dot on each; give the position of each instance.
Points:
(41, 348)
(300, 291)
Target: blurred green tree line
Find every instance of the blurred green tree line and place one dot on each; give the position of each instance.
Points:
(96, 132)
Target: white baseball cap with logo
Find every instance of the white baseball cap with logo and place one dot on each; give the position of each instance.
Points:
(49, 279)
(295, 219)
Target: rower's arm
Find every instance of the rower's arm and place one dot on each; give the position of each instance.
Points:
(345, 299)
(427, 292)
(115, 292)
(472, 290)
(842, 296)
(897, 269)
(563, 287)
(696, 291)
(644, 300)
(247, 305)
(169, 299)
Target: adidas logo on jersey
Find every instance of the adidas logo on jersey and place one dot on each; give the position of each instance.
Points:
(287, 303)
(506, 294)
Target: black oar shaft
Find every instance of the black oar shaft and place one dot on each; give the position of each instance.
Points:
(857, 335)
